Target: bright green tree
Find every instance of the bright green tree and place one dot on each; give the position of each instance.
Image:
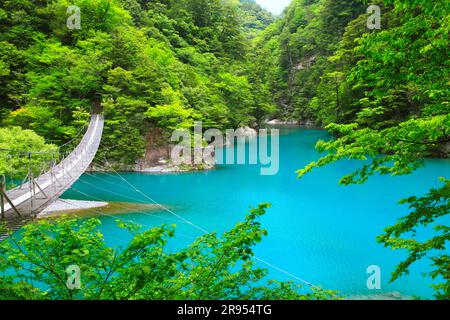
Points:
(21, 150)
(212, 267)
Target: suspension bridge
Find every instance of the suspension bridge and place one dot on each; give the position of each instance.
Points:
(34, 194)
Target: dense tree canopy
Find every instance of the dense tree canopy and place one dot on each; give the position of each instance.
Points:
(14, 163)
(138, 60)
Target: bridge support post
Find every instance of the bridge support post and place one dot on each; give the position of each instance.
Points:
(23, 182)
(4, 197)
(32, 188)
(2, 201)
(40, 189)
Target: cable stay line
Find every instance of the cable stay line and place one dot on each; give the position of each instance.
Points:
(116, 217)
(117, 194)
(120, 205)
(279, 269)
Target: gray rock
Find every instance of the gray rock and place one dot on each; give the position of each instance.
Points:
(446, 149)
(281, 122)
(246, 132)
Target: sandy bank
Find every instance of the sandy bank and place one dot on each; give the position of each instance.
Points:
(67, 205)
(94, 208)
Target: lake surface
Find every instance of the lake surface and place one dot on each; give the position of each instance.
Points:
(319, 231)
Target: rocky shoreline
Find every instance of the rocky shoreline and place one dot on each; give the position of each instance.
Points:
(157, 157)
(278, 122)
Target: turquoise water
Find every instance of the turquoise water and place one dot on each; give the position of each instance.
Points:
(318, 230)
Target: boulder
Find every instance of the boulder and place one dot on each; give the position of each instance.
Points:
(246, 132)
(446, 149)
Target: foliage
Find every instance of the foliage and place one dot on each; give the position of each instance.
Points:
(383, 94)
(397, 150)
(254, 18)
(211, 267)
(427, 212)
(126, 58)
(13, 162)
(297, 49)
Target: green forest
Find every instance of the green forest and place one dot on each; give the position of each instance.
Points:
(161, 63)
(383, 94)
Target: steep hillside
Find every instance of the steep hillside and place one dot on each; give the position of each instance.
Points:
(323, 63)
(165, 64)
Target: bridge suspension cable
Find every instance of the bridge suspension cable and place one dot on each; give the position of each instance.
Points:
(115, 216)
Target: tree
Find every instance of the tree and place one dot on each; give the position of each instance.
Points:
(428, 212)
(211, 267)
(124, 58)
(21, 150)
